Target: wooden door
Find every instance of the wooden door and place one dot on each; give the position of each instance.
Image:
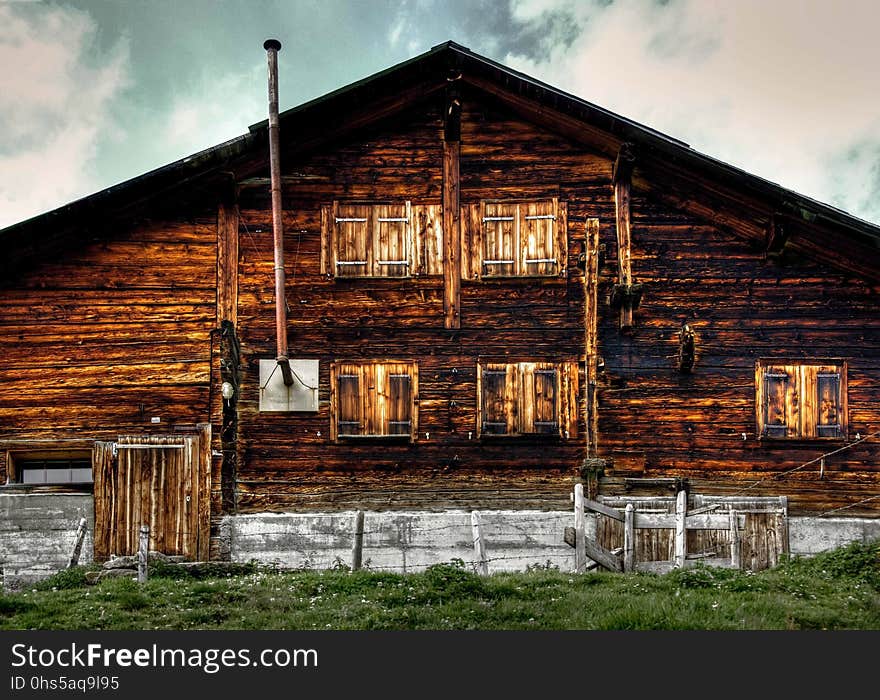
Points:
(162, 481)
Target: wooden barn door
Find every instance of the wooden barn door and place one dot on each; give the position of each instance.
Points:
(162, 481)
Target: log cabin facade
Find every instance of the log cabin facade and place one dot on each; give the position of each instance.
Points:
(493, 290)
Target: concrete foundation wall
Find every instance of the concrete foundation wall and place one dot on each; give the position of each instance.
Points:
(37, 533)
(412, 541)
(400, 541)
(813, 535)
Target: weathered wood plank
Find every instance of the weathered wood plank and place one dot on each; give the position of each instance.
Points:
(227, 262)
(451, 235)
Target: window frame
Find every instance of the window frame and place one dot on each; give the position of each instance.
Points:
(376, 265)
(423, 239)
(520, 402)
(802, 403)
(513, 255)
(374, 405)
(16, 459)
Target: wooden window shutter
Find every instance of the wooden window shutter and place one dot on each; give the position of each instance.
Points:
(828, 404)
(806, 401)
(352, 249)
(399, 407)
(538, 238)
(540, 399)
(779, 395)
(498, 400)
(327, 228)
(500, 244)
(824, 415)
(374, 399)
(471, 241)
(349, 405)
(391, 250)
(427, 238)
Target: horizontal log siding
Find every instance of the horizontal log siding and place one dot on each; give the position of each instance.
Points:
(288, 459)
(742, 307)
(108, 334)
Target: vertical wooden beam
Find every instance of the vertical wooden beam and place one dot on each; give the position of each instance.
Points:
(629, 538)
(202, 492)
(227, 258)
(622, 178)
(580, 538)
(452, 212)
(735, 543)
(680, 529)
(591, 343)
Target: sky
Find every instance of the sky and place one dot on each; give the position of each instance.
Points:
(94, 92)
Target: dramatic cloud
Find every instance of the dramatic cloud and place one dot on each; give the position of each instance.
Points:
(54, 106)
(786, 90)
(213, 111)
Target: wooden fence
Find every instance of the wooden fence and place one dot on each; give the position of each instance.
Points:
(658, 534)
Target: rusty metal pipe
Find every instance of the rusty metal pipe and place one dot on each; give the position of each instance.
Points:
(272, 47)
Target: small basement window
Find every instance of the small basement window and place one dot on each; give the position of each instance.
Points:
(49, 468)
(373, 400)
(527, 398)
(801, 401)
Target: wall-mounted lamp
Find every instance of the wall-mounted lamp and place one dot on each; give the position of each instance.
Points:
(227, 391)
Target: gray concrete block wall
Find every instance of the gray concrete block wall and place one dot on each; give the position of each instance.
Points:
(37, 533)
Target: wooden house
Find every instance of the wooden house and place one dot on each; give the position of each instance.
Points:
(493, 289)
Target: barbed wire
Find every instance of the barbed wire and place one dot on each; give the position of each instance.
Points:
(819, 459)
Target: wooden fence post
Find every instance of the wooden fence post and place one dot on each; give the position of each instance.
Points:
(357, 548)
(735, 544)
(680, 529)
(629, 538)
(479, 545)
(580, 529)
(77, 543)
(143, 550)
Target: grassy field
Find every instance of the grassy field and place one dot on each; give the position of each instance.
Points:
(836, 590)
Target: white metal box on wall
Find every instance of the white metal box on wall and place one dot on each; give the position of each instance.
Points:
(302, 395)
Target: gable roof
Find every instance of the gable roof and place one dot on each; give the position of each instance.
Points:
(390, 90)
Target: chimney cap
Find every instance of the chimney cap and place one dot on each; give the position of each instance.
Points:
(272, 44)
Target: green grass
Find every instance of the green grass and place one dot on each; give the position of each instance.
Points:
(836, 590)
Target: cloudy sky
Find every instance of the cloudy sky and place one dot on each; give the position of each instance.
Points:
(93, 92)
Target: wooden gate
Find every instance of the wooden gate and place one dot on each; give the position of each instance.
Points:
(158, 480)
(762, 535)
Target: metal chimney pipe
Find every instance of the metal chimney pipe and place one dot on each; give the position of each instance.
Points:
(272, 47)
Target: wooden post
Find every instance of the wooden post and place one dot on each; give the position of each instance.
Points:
(479, 544)
(452, 212)
(629, 538)
(735, 544)
(143, 550)
(227, 257)
(357, 549)
(591, 315)
(77, 543)
(580, 529)
(680, 529)
(622, 177)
